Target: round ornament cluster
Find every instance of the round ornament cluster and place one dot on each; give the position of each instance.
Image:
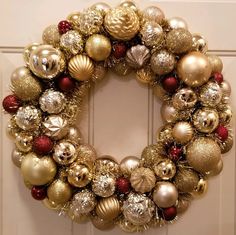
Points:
(47, 94)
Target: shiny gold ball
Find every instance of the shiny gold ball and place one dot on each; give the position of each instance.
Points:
(12, 129)
(51, 205)
(165, 169)
(225, 88)
(24, 142)
(182, 132)
(51, 36)
(153, 13)
(130, 4)
(102, 224)
(28, 50)
(169, 113)
(194, 69)
(201, 188)
(81, 67)
(98, 47)
(102, 7)
(177, 23)
(217, 169)
(17, 157)
(145, 75)
(216, 63)
(129, 164)
(225, 113)
(199, 43)
(73, 18)
(203, 154)
(38, 171)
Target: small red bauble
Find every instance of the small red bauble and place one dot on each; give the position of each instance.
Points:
(222, 132)
(123, 185)
(42, 145)
(175, 153)
(170, 84)
(169, 213)
(64, 26)
(39, 192)
(66, 83)
(218, 77)
(11, 103)
(119, 50)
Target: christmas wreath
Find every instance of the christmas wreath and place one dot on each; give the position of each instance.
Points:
(64, 172)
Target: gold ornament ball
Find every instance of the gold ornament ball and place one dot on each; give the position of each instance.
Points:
(217, 169)
(51, 205)
(216, 63)
(38, 171)
(225, 88)
(59, 192)
(17, 157)
(194, 69)
(74, 135)
(227, 145)
(201, 189)
(225, 114)
(203, 154)
(102, 224)
(12, 129)
(102, 7)
(177, 23)
(165, 169)
(99, 72)
(145, 75)
(169, 113)
(24, 142)
(130, 4)
(184, 202)
(73, 18)
(28, 50)
(98, 47)
(129, 164)
(182, 132)
(159, 92)
(199, 43)
(126, 226)
(165, 133)
(153, 13)
(51, 36)
(122, 68)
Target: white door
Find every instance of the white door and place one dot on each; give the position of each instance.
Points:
(124, 117)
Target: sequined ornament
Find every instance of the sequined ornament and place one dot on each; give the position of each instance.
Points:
(162, 62)
(42, 145)
(102, 224)
(122, 23)
(107, 164)
(64, 152)
(145, 75)
(12, 129)
(99, 72)
(129, 164)
(103, 185)
(51, 36)
(72, 42)
(76, 216)
(17, 157)
(28, 50)
(165, 169)
(182, 132)
(138, 209)
(199, 43)
(24, 142)
(28, 118)
(90, 22)
(153, 14)
(123, 185)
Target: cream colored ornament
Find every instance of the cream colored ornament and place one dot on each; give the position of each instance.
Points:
(17, 157)
(129, 164)
(153, 13)
(225, 88)
(102, 224)
(51, 36)
(130, 4)
(182, 132)
(28, 50)
(169, 113)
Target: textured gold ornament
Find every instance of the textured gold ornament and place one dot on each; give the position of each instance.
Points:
(102, 224)
(129, 164)
(182, 132)
(165, 169)
(107, 164)
(165, 133)
(216, 63)
(201, 188)
(225, 88)
(153, 13)
(122, 68)
(28, 50)
(99, 72)
(24, 142)
(145, 75)
(160, 93)
(199, 43)
(122, 23)
(51, 205)
(12, 129)
(127, 226)
(177, 23)
(51, 36)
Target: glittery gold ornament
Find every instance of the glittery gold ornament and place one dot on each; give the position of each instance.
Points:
(169, 113)
(227, 145)
(203, 154)
(153, 13)
(12, 129)
(165, 169)
(225, 88)
(24, 85)
(130, 4)
(24, 142)
(102, 224)
(201, 188)
(108, 208)
(216, 63)
(17, 157)
(51, 36)
(199, 43)
(81, 67)
(73, 18)
(51, 205)
(177, 23)
(76, 216)
(38, 171)
(225, 113)
(179, 40)
(165, 133)
(145, 75)
(107, 164)
(159, 92)
(28, 50)
(126, 226)
(186, 180)
(99, 72)
(122, 23)
(143, 179)
(122, 68)
(184, 201)
(162, 62)
(182, 132)
(129, 164)
(102, 7)
(59, 192)
(217, 169)
(98, 47)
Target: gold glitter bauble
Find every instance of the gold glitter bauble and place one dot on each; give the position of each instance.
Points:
(165, 169)
(203, 154)
(28, 50)
(108, 208)
(12, 129)
(73, 18)
(38, 171)
(184, 201)
(101, 7)
(186, 180)
(99, 72)
(86, 155)
(145, 75)
(102, 224)
(59, 192)
(51, 36)
(194, 69)
(165, 133)
(122, 23)
(129, 164)
(24, 85)
(201, 188)
(122, 68)
(216, 63)
(81, 67)
(169, 113)
(24, 142)
(182, 132)
(142, 180)
(153, 13)
(107, 164)
(177, 23)
(127, 226)
(217, 169)
(199, 43)
(179, 41)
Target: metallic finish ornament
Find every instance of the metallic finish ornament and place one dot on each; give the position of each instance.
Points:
(12, 129)
(59, 192)
(225, 113)
(17, 157)
(179, 40)
(28, 118)
(38, 171)
(108, 208)
(102, 224)
(99, 72)
(73, 18)
(24, 85)
(79, 175)
(217, 169)
(122, 23)
(81, 67)
(64, 153)
(143, 180)
(102, 7)
(129, 164)
(177, 23)
(75, 216)
(165, 133)
(225, 88)
(107, 164)
(169, 113)
(210, 94)
(216, 63)
(227, 145)
(153, 13)
(74, 135)
(72, 42)
(162, 62)
(185, 98)
(24, 142)
(165, 194)
(186, 180)
(98, 47)
(90, 22)
(194, 69)
(138, 209)
(203, 154)
(122, 68)
(127, 226)
(138, 56)
(51, 205)
(28, 50)
(27, 184)
(55, 126)
(103, 185)
(201, 188)
(182, 132)
(51, 36)
(184, 201)
(145, 75)
(199, 43)
(52, 101)
(160, 92)
(152, 34)
(165, 169)
(47, 62)
(206, 120)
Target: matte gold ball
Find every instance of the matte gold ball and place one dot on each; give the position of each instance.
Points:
(51, 36)
(216, 63)
(182, 132)
(217, 169)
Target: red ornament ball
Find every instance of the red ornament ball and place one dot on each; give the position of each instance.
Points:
(169, 213)
(11, 103)
(218, 77)
(64, 26)
(119, 50)
(175, 153)
(66, 83)
(123, 185)
(170, 84)
(222, 132)
(39, 192)
(42, 145)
